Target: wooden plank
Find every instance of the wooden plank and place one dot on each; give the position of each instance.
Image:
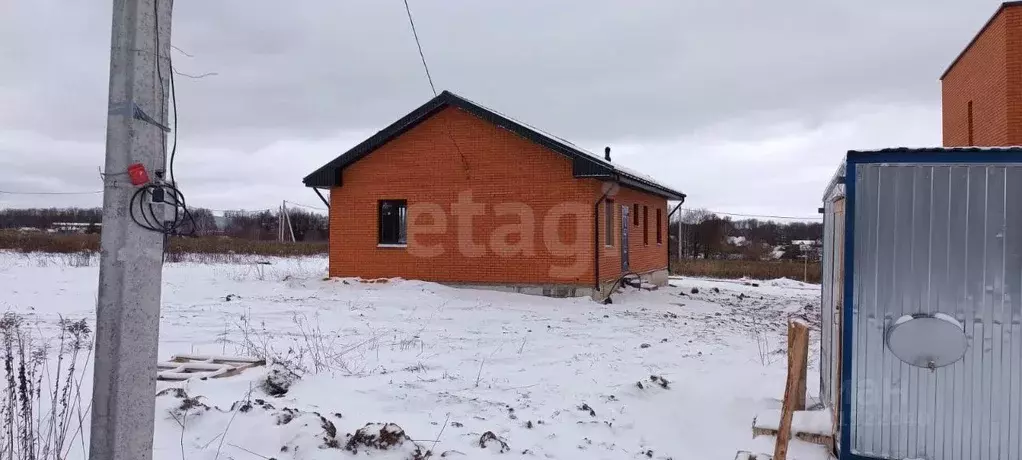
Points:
(809, 426)
(798, 350)
(812, 438)
(185, 367)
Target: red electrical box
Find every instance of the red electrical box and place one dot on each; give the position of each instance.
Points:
(138, 174)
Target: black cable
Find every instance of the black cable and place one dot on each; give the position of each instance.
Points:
(51, 193)
(306, 206)
(419, 45)
(159, 71)
(146, 214)
(179, 197)
(173, 105)
(185, 214)
(755, 216)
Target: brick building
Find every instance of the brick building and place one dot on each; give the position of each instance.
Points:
(982, 88)
(457, 193)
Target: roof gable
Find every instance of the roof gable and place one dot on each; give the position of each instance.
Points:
(584, 164)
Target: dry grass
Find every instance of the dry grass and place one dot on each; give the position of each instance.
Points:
(41, 403)
(309, 348)
(226, 245)
(80, 243)
(755, 269)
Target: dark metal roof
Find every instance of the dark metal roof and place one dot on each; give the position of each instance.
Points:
(978, 34)
(972, 149)
(584, 164)
(958, 155)
(938, 155)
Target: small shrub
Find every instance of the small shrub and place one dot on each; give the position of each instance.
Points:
(308, 349)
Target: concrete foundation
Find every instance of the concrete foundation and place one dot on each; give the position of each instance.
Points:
(655, 277)
(547, 290)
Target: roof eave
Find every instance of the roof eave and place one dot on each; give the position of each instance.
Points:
(644, 186)
(376, 140)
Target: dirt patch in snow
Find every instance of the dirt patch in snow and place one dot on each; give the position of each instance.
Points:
(659, 380)
(493, 442)
(187, 405)
(279, 380)
(384, 436)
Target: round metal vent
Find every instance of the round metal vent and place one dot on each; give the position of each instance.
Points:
(927, 340)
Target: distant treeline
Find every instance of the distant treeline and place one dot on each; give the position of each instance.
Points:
(711, 236)
(45, 218)
(253, 225)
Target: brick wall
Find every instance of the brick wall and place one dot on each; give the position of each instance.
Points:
(645, 254)
(987, 75)
(1013, 66)
(509, 179)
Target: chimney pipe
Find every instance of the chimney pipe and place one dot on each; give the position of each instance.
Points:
(606, 153)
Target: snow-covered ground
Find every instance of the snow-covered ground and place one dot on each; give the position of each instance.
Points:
(676, 373)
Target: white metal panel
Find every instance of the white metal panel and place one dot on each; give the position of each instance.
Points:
(938, 239)
(827, 351)
(837, 294)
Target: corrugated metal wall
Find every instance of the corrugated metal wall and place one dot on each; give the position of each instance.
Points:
(938, 238)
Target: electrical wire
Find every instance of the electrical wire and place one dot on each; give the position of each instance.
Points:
(4, 192)
(159, 73)
(753, 216)
(187, 214)
(145, 215)
(242, 211)
(142, 206)
(195, 77)
(419, 45)
(173, 105)
(429, 77)
(306, 206)
(182, 51)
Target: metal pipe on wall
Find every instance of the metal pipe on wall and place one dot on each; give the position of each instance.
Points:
(596, 238)
(676, 208)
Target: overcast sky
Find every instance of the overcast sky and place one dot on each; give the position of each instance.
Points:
(746, 105)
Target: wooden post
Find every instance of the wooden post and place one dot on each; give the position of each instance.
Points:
(795, 389)
(798, 346)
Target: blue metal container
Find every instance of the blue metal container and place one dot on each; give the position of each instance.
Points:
(922, 304)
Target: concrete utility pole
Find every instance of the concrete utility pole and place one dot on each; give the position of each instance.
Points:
(128, 311)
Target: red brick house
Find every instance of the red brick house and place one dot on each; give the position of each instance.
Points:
(457, 193)
(981, 90)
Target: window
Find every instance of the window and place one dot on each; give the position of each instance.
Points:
(635, 214)
(645, 225)
(609, 221)
(393, 222)
(970, 123)
(659, 230)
